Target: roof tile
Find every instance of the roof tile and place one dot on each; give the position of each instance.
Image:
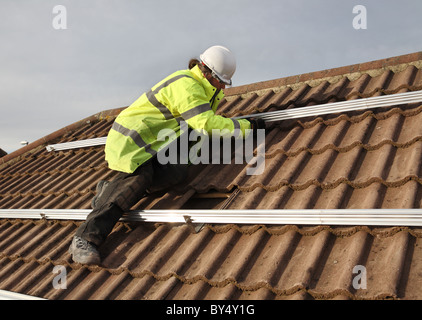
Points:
(363, 159)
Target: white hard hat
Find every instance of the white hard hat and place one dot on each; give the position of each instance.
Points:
(221, 61)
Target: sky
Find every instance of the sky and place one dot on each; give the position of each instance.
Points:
(62, 61)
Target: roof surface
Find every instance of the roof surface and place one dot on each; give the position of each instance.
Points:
(362, 159)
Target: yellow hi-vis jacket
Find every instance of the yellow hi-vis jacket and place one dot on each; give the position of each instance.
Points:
(185, 95)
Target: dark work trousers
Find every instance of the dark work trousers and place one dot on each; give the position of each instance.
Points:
(123, 192)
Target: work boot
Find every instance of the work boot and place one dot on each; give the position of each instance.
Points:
(84, 252)
(101, 185)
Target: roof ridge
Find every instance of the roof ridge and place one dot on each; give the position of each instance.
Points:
(373, 68)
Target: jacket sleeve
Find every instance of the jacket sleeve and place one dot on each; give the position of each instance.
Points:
(195, 109)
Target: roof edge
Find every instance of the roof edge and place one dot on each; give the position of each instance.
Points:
(291, 80)
(111, 113)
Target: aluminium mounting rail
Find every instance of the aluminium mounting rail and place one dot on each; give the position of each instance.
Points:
(295, 113)
(317, 110)
(343, 106)
(374, 217)
(77, 144)
(10, 295)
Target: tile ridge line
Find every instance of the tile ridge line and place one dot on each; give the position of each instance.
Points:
(332, 185)
(201, 278)
(347, 148)
(373, 68)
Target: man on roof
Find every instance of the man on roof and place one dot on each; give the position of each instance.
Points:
(191, 96)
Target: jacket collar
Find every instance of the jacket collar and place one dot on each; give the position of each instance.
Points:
(210, 90)
(198, 75)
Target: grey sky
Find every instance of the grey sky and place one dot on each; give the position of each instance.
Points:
(114, 50)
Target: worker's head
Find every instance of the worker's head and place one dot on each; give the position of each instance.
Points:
(218, 66)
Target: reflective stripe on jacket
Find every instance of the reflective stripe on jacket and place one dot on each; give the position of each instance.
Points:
(185, 95)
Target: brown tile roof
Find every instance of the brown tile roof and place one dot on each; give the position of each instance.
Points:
(361, 159)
